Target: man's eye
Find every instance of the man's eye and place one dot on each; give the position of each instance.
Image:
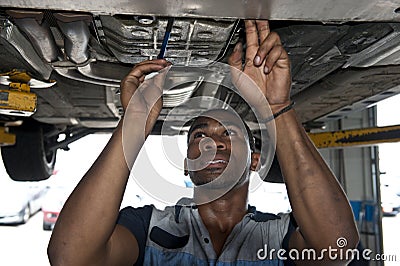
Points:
(199, 135)
(230, 132)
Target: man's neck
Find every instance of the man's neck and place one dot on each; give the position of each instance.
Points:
(221, 215)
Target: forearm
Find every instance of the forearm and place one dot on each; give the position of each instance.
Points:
(88, 217)
(319, 204)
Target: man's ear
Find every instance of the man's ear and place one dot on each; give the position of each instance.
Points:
(255, 158)
(185, 168)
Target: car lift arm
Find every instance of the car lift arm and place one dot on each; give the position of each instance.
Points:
(356, 137)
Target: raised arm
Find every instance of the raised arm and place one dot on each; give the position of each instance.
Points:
(320, 207)
(86, 232)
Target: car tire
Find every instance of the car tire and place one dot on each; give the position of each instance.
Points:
(46, 227)
(28, 159)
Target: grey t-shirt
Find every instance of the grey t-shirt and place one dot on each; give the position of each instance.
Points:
(177, 236)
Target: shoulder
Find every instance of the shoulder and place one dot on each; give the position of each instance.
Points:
(139, 212)
(138, 222)
(260, 216)
(282, 224)
(145, 215)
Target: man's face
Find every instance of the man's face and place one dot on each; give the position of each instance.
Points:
(218, 150)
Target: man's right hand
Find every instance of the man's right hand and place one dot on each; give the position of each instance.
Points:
(144, 98)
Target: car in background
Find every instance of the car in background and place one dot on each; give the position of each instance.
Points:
(60, 190)
(53, 203)
(392, 181)
(390, 201)
(20, 200)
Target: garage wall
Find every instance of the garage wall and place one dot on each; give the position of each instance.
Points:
(357, 171)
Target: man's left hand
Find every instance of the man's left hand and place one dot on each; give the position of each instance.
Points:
(266, 63)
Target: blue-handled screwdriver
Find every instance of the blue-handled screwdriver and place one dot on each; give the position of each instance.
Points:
(166, 38)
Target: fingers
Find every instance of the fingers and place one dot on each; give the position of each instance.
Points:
(263, 29)
(235, 59)
(256, 32)
(270, 51)
(268, 44)
(147, 67)
(276, 54)
(252, 42)
(159, 79)
(137, 76)
(251, 33)
(139, 71)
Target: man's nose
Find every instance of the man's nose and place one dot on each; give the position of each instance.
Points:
(213, 143)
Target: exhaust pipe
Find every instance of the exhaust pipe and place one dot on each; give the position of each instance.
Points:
(37, 31)
(75, 28)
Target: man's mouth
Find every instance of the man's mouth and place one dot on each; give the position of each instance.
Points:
(219, 163)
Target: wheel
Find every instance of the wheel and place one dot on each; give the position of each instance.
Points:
(28, 159)
(46, 227)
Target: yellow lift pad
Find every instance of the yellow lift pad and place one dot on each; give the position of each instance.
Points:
(6, 138)
(17, 102)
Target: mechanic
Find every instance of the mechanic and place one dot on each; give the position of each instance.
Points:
(92, 231)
